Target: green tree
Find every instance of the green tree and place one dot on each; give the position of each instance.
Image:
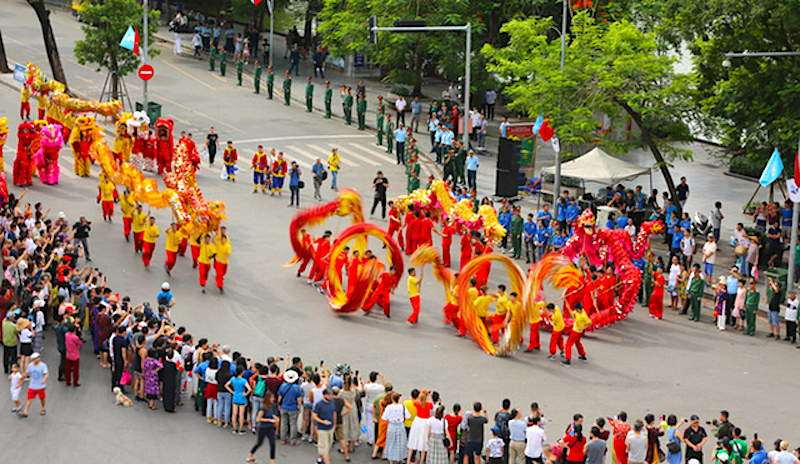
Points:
(611, 68)
(107, 22)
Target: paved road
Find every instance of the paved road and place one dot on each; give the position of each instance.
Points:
(639, 365)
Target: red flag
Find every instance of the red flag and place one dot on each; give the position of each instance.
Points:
(136, 42)
(255, 2)
(797, 167)
(546, 131)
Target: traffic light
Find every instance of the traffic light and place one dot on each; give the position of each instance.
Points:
(373, 34)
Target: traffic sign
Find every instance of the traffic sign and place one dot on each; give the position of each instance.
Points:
(146, 72)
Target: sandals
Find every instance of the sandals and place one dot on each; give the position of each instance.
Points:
(252, 460)
(43, 412)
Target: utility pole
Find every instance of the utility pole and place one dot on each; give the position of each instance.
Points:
(271, 27)
(144, 55)
(557, 171)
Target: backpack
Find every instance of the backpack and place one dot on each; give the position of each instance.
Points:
(260, 388)
(501, 419)
(163, 300)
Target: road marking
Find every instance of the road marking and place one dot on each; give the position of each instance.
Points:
(325, 156)
(372, 152)
(188, 74)
(191, 110)
(363, 158)
(302, 152)
(303, 137)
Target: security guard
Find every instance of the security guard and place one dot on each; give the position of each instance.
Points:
(347, 106)
(328, 99)
(270, 82)
(257, 77)
(309, 95)
(239, 69)
(361, 111)
(287, 89)
(379, 124)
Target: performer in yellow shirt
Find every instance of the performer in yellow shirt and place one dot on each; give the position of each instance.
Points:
(413, 294)
(138, 224)
(41, 102)
(195, 240)
(204, 259)
(580, 322)
(107, 189)
(535, 318)
(127, 206)
(557, 319)
(222, 248)
(499, 319)
(25, 104)
(150, 233)
(174, 237)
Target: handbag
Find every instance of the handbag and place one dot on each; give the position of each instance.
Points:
(126, 378)
(673, 447)
(446, 441)
(301, 184)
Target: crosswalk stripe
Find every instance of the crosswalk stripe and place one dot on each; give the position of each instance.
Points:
(326, 153)
(374, 153)
(301, 152)
(353, 154)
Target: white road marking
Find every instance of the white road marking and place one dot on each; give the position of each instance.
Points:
(373, 152)
(304, 137)
(325, 153)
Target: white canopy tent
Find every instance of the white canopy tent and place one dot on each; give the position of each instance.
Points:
(599, 166)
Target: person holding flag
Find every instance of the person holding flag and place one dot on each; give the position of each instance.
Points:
(259, 166)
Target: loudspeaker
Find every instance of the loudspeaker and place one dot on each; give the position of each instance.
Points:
(506, 183)
(508, 155)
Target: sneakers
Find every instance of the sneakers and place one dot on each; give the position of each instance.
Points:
(582, 358)
(566, 363)
(551, 358)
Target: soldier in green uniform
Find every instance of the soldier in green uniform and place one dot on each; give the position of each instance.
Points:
(223, 62)
(309, 96)
(287, 89)
(461, 159)
(379, 125)
(516, 234)
(389, 134)
(270, 82)
(696, 288)
(257, 77)
(361, 111)
(381, 107)
(449, 166)
(328, 99)
(212, 58)
(751, 301)
(413, 176)
(647, 279)
(239, 69)
(347, 106)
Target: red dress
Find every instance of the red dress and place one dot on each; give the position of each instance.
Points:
(452, 425)
(656, 303)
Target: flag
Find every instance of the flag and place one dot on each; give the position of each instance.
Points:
(131, 40)
(772, 170)
(796, 166)
(794, 191)
(255, 2)
(537, 125)
(546, 131)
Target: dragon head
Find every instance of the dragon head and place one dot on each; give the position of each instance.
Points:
(586, 223)
(164, 128)
(52, 136)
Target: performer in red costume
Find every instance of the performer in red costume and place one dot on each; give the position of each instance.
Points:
(557, 319)
(321, 253)
(656, 303)
(447, 240)
(380, 296)
(621, 429)
(149, 148)
(605, 297)
(591, 289)
(394, 223)
(466, 249)
(451, 308)
(353, 264)
(23, 162)
(164, 146)
(306, 244)
(414, 233)
(407, 222)
(426, 230)
(341, 261)
(482, 275)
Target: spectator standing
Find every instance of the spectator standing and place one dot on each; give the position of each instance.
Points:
(636, 444)
(73, 343)
(212, 145)
(38, 373)
(716, 219)
(474, 424)
(490, 97)
(294, 59)
(400, 136)
(82, 229)
(774, 310)
(596, 448)
(265, 417)
(380, 184)
(318, 170)
(791, 317)
(709, 257)
(294, 184)
(516, 437)
(683, 192)
(416, 111)
(324, 417)
(535, 439)
(472, 165)
(483, 127)
(695, 437)
(10, 342)
(319, 62)
(575, 444)
(400, 106)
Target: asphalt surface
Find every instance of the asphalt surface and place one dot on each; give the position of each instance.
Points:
(639, 365)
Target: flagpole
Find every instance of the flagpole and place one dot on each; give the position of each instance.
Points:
(144, 57)
(271, 27)
(793, 236)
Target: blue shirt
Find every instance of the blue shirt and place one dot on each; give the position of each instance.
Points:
(416, 107)
(37, 374)
(400, 135)
(529, 230)
(622, 222)
(546, 217)
(325, 411)
(759, 457)
(335, 381)
(472, 162)
(504, 219)
(786, 217)
(206, 31)
(686, 224)
(639, 199)
(732, 285)
(166, 297)
(229, 33)
(611, 224)
(317, 168)
(239, 386)
(677, 236)
(432, 125)
(216, 32)
(437, 136)
(289, 393)
(559, 240)
(671, 209)
(447, 138)
(516, 430)
(543, 235)
(294, 176)
(572, 211)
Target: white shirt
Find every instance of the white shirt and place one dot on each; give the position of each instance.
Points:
(437, 425)
(25, 336)
(710, 252)
(475, 118)
(687, 246)
(791, 309)
(631, 230)
(395, 414)
(400, 104)
(534, 438)
(371, 391)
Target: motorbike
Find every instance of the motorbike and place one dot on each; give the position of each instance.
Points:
(701, 224)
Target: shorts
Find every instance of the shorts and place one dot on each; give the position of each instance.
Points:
(25, 349)
(773, 318)
(15, 393)
(138, 375)
(324, 441)
(32, 393)
(672, 290)
(708, 269)
(339, 433)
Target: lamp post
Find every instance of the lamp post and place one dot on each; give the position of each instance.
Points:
(795, 206)
(271, 27)
(144, 55)
(557, 170)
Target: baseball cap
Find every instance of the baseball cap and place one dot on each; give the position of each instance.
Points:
(694, 418)
(35, 355)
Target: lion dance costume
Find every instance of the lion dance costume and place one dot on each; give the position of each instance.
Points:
(46, 158)
(26, 133)
(83, 136)
(3, 138)
(164, 145)
(123, 140)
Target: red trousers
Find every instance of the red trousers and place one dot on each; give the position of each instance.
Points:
(464, 259)
(126, 226)
(204, 268)
(574, 339)
(446, 253)
(318, 271)
(220, 269)
(381, 299)
(534, 339)
(72, 372)
(415, 313)
(147, 255)
(556, 341)
(172, 256)
(25, 110)
(497, 324)
(108, 208)
(451, 313)
(182, 247)
(137, 240)
(303, 265)
(41, 113)
(392, 230)
(195, 255)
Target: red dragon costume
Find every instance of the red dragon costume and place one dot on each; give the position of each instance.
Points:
(164, 145)
(22, 164)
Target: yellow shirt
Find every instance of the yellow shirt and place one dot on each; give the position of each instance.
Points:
(127, 205)
(222, 250)
(557, 319)
(150, 233)
(174, 239)
(413, 287)
(139, 222)
(333, 162)
(409, 404)
(581, 321)
(194, 239)
(107, 191)
(26, 94)
(206, 252)
(503, 304)
(536, 313)
(482, 305)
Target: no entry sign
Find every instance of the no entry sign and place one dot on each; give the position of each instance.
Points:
(146, 72)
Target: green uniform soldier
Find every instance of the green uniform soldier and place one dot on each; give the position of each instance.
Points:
(309, 96)
(257, 78)
(328, 99)
(516, 234)
(287, 89)
(381, 107)
(347, 106)
(647, 279)
(751, 301)
(413, 177)
(461, 158)
(212, 58)
(239, 69)
(389, 134)
(270, 82)
(696, 288)
(379, 125)
(449, 166)
(430, 181)
(361, 111)
(223, 62)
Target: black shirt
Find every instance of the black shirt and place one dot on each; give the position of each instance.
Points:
(338, 403)
(683, 191)
(775, 301)
(211, 142)
(694, 437)
(475, 424)
(381, 183)
(82, 230)
(120, 343)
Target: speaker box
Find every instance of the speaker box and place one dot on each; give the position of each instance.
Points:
(508, 155)
(506, 183)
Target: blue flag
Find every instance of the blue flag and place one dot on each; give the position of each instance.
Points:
(773, 169)
(130, 40)
(537, 125)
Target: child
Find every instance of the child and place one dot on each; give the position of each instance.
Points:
(16, 387)
(413, 294)
(738, 306)
(197, 43)
(494, 448)
(719, 303)
(246, 51)
(791, 317)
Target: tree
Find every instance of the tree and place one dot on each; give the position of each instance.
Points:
(106, 24)
(611, 68)
(3, 61)
(43, 15)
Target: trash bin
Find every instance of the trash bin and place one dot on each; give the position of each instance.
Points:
(780, 276)
(153, 110)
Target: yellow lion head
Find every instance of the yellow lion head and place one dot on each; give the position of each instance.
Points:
(84, 123)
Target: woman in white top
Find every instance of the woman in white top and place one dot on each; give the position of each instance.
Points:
(437, 453)
(396, 442)
(211, 390)
(38, 326)
(306, 388)
(672, 283)
(25, 343)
